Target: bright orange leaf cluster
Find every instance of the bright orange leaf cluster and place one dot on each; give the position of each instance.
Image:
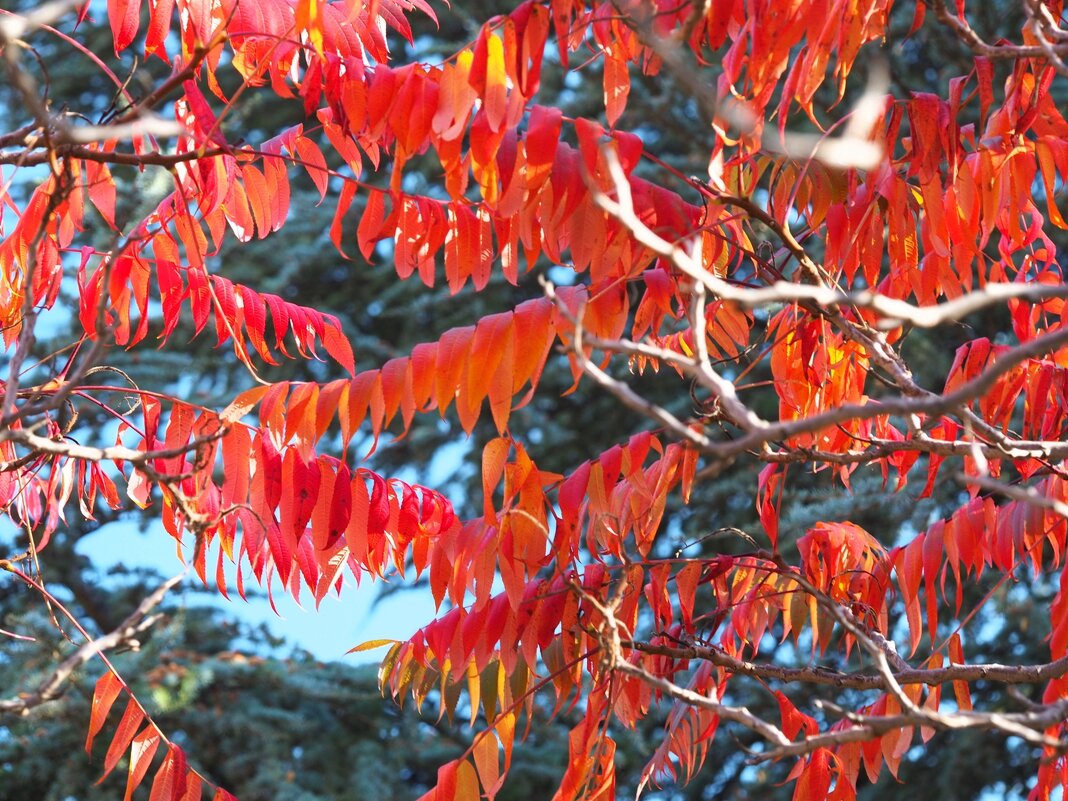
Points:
(561, 588)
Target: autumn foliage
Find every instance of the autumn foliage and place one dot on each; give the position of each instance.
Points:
(912, 213)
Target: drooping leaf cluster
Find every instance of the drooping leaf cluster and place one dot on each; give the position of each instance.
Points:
(816, 265)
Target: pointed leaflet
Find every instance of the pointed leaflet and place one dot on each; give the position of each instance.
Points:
(170, 781)
(512, 348)
(370, 645)
(688, 733)
(239, 312)
(202, 120)
(543, 136)
(591, 765)
(815, 778)
(686, 581)
(960, 688)
(124, 17)
(159, 26)
(372, 224)
(466, 783)
(242, 405)
(348, 192)
(616, 86)
(308, 18)
(107, 690)
(142, 750)
(485, 754)
(124, 734)
(193, 787)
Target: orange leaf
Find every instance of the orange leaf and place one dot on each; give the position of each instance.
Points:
(466, 782)
(960, 688)
(142, 750)
(309, 18)
(487, 348)
(686, 584)
(348, 192)
(243, 404)
(815, 779)
(372, 224)
(128, 726)
(193, 787)
(494, 457)
(616, 87)
(486, 761)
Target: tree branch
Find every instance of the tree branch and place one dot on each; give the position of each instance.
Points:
(54, 685)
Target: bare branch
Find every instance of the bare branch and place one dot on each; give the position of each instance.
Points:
(963, 31)
(853, 149)
(1003, 674)
(736, 714)
(38, 156)
(114, 453)
(53, 686)
(624, 393)
(14, 26)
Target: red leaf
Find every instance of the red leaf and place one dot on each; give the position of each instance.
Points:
(204, 122)
(337, 344)
(815, 779)
(348, 192)
(616, 87)
(107, 690)
(170, 781)
(159, 26)
(543, 136)
(124, 17)
(371, 227)
(793, 720)
(340, 506)
(378, 511)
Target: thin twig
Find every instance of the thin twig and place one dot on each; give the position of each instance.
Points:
(53, 686)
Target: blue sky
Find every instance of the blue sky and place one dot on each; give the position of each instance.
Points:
(327, 633)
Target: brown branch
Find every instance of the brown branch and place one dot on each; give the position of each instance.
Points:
(963, 31)
(1025, 725)
(1003, 674)
(176, 79)
(891, 669)
(39, 156)
(736, 714)
(880, 448)
(126, 633)
(620, 390)
(113, 453)
(931, 404)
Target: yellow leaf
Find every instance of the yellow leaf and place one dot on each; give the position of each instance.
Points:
(370, 645)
